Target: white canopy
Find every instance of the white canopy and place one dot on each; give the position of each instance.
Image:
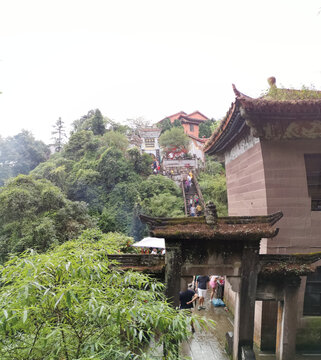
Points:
(151, 242)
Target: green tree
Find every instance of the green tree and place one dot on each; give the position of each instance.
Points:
(113, 167)
(141, 163)
(59, 135)
(79, 143)
(98, 123)
(206, 128)
(177, 123)
(72, 303)
(212, 182)
(35, 213)
(165, 125)
(115, 140)
(161, 196)
(174, 138)
(92, 121)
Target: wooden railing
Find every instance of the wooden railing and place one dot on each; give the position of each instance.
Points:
(198, 190)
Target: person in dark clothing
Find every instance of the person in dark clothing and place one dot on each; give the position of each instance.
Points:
(185, 301)
(185, 297)
(202, 284)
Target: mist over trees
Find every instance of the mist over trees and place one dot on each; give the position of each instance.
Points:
(20, 154)
(95, 179)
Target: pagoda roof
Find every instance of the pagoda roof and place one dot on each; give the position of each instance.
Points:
(224, 228)
(279, 114)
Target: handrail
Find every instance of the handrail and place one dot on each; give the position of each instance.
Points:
(198, 190)
(184, 197)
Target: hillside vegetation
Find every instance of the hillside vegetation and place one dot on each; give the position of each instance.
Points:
(95, 181)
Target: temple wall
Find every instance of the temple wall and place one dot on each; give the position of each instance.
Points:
(245, 181)
(262, 178)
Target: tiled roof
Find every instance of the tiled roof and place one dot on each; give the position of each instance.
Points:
(173, 117)
(290, 113)
(288, 265)
(189, 120)
(229, 129)
(227, 228)
(202, 140)
(198, 115)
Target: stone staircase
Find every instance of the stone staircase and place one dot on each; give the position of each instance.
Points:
(188, 196)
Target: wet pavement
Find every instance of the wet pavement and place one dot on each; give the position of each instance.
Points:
(210, 343)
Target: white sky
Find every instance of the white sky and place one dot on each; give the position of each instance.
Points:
(150, 58)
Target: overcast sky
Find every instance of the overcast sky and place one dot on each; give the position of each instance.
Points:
(132, 58)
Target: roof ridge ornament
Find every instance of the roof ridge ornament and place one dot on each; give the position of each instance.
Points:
(272, 81)
(236, 92)
(210, 214)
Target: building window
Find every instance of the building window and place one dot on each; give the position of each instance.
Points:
(312, 296)
(150, 142)
(191, 127)
(313, 172)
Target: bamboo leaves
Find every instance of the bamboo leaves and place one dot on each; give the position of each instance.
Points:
(68, 303)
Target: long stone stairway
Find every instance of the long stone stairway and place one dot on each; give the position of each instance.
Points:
(188, 196)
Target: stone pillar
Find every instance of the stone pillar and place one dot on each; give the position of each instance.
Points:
(245, 300)
(173, 271)
(287, 321)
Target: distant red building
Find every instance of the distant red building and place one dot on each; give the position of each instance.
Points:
(189, 122)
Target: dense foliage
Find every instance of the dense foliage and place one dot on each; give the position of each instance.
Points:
(174, 138)
(71, 303)
(35, 213)
(212, 182)
(166, 124)
(206, 128)
(20, 154)
(101, 171)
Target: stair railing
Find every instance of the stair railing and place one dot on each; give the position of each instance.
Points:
(198, 190)
(184, 197)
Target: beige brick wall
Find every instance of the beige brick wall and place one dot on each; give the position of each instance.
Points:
(246, 184)
(268, 177)
(286, 190)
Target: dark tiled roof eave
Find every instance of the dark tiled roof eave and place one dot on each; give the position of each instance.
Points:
(261, 105)
(188, 120)
(288, 265)
(227, 228)
(202, 140)
(229, 130)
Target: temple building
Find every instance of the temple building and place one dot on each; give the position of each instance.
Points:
(271, 147)
(149, 141)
